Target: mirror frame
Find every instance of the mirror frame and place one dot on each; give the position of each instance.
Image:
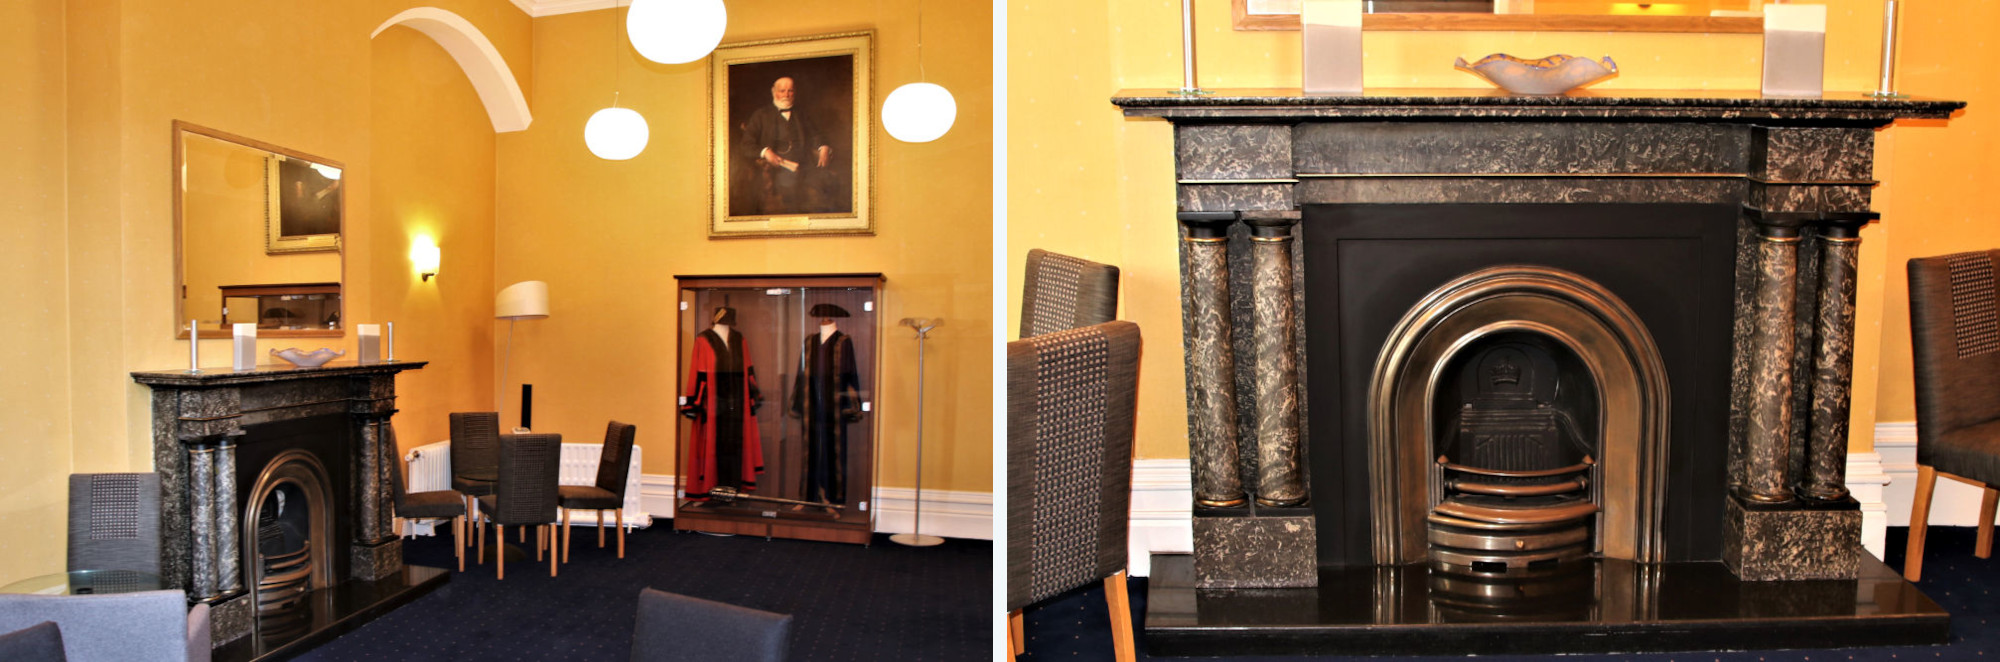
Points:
(1448, 22)
(181, 128)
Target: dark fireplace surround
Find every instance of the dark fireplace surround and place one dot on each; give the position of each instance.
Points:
(223, 440)
(1685, 264)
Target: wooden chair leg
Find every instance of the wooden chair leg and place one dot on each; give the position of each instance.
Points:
(552, 549)
(458, 540)
(1989, 498)
(1920, 514)
(481, 536)
(565, 532)
(1121, 617)
(521, 536)
(1017, 633)
(499, 551)
(621, 532)
(600, 529)
(539, 534)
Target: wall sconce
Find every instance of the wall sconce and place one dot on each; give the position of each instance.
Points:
(424, 254)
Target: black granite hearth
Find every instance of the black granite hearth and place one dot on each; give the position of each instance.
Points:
(1607, 606)
(330, 612)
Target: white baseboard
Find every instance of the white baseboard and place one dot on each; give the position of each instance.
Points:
(947, 513)
(1163, 497)
(1953, 504)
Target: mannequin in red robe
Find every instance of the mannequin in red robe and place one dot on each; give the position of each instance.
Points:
(722, 398)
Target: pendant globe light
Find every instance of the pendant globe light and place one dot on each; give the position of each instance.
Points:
(616, 134)
(919, 112)
(676, 31)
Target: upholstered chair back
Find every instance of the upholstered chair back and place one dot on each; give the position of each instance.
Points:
(529, 467)
(114, 522)
(1063, 292)
(475, 445)
(1955, 335)
(1071, 398)
(616, 462)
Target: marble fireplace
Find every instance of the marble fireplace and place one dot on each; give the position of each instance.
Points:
(1447, 349)
(276, 507)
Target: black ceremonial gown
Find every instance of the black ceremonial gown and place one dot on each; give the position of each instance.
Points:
(826, 396)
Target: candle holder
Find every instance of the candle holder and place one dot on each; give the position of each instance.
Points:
(1888, 87)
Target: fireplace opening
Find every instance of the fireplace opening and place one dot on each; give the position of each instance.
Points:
(1516, 431)
(287, 540)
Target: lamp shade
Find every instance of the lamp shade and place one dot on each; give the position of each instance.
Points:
(616, 134)
(675, 31)
(526, 300)
(919, 112)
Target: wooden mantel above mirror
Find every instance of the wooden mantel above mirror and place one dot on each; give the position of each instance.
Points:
(257, 236)
(1541, 16)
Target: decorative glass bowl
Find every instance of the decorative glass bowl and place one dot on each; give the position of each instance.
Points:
(305, 359)
(1551, 75)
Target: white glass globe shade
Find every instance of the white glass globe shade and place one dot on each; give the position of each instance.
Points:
(615, 134)
(675, 31)
(918, 112)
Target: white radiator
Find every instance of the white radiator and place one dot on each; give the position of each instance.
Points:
(429, 469)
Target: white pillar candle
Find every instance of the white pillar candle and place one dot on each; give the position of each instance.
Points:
(370, 337)
(389, 341)
(1332, 30)
(1794, 50)
(246, 346)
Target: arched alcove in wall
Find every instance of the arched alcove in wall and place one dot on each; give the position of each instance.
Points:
(488, 72)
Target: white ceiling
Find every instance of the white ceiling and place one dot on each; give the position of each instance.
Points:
(539, 8)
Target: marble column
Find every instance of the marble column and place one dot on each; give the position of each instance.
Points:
(1768, 446)
(202, 534)
(228, 554)
(1833, 364)
(375, 521)
(1280, 479)
(1211, 365)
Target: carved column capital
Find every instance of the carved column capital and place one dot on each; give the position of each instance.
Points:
(1208, 226)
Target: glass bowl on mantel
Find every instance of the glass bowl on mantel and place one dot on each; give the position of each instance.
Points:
(1552, 75)
(304, 359)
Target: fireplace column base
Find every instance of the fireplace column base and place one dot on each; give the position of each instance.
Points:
(383, 559)
(1799, 540)
(230, 619)
(1278, 548)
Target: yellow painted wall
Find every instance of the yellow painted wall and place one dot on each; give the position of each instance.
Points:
(1084, 180)
(609, 237)
(34, 435)
(224, 231)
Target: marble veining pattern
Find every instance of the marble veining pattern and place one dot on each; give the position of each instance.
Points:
(1234, 197)
(1255, 552)
(1792, 544)
(1279, 480)
(1244, 151)
(1809, 198)
(1429, 190)
(1833, 371)
(1743, 321)
(1771, 374)
(1516, 147)
(1798, 154)
(1211, 369)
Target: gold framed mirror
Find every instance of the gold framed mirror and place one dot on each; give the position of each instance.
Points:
(257, 237)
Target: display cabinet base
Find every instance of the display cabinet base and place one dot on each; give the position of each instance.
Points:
(1603, 606)
(698, 519)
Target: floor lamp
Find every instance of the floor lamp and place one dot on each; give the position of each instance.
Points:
(526, 300)
(915, 538)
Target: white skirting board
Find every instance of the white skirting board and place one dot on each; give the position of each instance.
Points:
(1953, 504)
(947, 513)
(1163, 498)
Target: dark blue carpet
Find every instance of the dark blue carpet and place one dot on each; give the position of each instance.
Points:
(848, 602)
(1076, 625)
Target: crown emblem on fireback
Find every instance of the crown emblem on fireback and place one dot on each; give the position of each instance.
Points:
(1504, 373)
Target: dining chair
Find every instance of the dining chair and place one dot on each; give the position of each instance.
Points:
(1062, 292)
(114, 522)
(677, 628)
(1955, 339)
(613, 468)
(438, 504)
(524, 495)
(1071, 402)
(475, 457)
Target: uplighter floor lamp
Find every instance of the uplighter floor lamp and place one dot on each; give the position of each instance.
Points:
(526, 300)
(915, 538)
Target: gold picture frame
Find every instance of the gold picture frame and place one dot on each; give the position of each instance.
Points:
(304, 205)
(792, 148)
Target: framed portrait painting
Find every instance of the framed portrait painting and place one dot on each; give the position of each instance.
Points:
(304, 202)
(791, 124)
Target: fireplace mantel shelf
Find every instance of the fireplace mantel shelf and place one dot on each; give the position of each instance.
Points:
(1283, 103)
(219, 376)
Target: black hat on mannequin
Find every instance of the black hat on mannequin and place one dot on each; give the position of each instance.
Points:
(724, 315)
(826, 310)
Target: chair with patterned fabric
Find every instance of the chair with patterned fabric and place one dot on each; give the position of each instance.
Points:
(114, 522)
(613, 468)
(1062, 292)
(475, 455)
(438, 504)
(525, 495)
(1071, 400)
(1955, 336)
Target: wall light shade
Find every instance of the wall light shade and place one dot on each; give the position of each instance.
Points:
(919, 112)
(675, 31)
(425, 256)
(616, 134)
(526, 300)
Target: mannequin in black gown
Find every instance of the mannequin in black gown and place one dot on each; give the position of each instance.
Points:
(826, 397)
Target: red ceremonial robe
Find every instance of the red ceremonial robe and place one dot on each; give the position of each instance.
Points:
(722, 398)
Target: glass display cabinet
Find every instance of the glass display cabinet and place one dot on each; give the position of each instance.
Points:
(777, 405)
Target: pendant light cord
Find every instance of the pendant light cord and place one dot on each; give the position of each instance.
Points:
(920, 42)
(617, 70)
